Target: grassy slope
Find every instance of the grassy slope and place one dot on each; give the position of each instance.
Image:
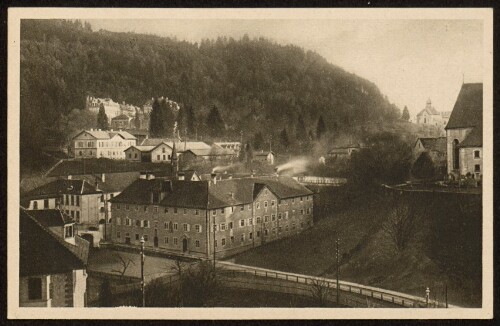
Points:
(368, 256)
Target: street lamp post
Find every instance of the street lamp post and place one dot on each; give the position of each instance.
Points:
(214, 241)
(142, 272)
(446, 294)
(337, 256)
(427, 293)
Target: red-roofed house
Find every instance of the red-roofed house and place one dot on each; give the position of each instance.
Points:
(464, 133)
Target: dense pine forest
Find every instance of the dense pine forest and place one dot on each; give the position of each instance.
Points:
(256, 85)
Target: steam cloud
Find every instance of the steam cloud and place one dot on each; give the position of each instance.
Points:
(221, 168)
(295, 166)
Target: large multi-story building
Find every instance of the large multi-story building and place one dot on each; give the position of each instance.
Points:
(203, 218)
(111, 108)
(464, 133)
(101, 143)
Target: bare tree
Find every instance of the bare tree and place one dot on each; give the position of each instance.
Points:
(402, 226)
(178, 268)
(124, 263)
(321, 292)
(200, 284)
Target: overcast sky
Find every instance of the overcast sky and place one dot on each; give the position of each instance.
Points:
(409, 60)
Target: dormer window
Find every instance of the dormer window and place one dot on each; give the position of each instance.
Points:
(68, 231)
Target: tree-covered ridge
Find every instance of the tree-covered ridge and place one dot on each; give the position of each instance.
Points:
(256, 84)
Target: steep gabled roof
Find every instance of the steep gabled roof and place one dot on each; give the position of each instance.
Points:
(43, 252)
(121, 133)
(181, 194)
(113, 182)
(98, 134)
(209, 195)
(230, 192)
(62, 186)
(51, 217)
(144, 149)
(284, 187)
(474, 138)
(434, 144)
(468, 109)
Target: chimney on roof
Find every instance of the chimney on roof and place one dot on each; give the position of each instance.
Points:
(70, 177)
(143, 175)
(103, 177)
(213, 177)
(181, 175)
(150, 176)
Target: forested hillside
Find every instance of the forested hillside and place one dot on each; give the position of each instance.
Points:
(256, 84)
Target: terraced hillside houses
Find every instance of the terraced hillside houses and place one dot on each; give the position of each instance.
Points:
(202, 217)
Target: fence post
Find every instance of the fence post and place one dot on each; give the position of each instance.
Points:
(372, 294)
(403, 302)
(392, 299)
(266, 275)
(350, 288)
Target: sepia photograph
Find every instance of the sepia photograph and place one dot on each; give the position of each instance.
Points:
(305, 163)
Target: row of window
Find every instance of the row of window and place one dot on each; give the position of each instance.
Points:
(166, 210)
(165, 157)
(175, 210)
(74, 214)
(167, 225)
(174, 226)
(103, 144)
(71, 200)
(45, 204)
(242, 237)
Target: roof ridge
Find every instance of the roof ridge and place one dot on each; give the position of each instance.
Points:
(55, 237)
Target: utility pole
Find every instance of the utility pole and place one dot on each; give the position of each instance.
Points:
(446, 294)
(105, 215)
(337, 256)
(214, 242)
(142, 272)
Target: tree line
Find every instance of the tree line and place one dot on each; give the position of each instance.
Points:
(256, 85)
